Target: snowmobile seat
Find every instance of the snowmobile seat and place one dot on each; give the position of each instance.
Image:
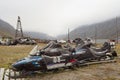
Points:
(98, 53)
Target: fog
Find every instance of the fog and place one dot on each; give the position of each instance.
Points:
(54, 17)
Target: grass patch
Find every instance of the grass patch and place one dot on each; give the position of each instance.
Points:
(9, 54)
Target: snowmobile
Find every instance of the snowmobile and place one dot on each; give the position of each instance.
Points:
(41, 61)
(24, 41)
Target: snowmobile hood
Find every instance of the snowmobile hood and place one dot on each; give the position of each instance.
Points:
(24, 61)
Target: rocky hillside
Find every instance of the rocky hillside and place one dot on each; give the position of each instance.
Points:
(6, 29)
(102, 30)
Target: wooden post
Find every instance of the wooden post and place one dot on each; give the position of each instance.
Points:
(68, 36)
(95, 34)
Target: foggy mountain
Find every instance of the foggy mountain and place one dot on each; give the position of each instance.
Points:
(7, 30)
(38, 35)
(102, 30)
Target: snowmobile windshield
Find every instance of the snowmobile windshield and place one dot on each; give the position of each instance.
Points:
(80, 46)
(52, 44)
(34, 51)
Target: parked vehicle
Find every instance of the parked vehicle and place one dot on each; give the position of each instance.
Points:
(25, 40)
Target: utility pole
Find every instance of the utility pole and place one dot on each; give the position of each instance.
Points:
(95, 34)
(68, 36)
(19, 32)
(116, 30)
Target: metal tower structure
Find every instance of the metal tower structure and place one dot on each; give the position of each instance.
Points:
(19, 32)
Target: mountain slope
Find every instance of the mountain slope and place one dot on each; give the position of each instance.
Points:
(102, 30)
(6, 29)
(37, 35)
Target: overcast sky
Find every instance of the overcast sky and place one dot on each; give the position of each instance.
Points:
(54, 17)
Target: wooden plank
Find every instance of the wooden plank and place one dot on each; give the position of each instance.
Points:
(12, 75)
(2, 73)
(6, 75)
(15, 75)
